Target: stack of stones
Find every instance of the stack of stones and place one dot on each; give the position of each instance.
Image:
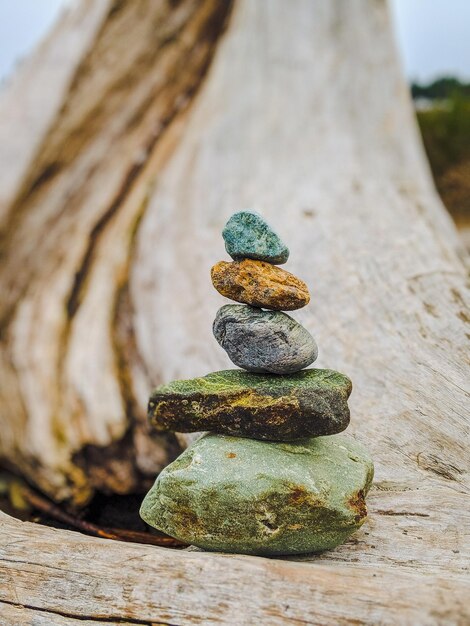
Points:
(272, 476)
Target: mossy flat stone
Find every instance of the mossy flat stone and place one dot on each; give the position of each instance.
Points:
(253, 497)
(260, 284)
(263, 341)
(248, 235)
(262, 406)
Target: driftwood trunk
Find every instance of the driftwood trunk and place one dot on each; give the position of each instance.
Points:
(164, 118)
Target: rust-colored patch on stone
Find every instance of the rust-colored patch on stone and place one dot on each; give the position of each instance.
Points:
(260, 284)
(299, 496)
(231, 455)
(358, 504)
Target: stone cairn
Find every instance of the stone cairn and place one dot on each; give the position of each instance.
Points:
(272, 476)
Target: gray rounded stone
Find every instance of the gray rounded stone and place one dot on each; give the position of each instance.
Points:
(264, 341)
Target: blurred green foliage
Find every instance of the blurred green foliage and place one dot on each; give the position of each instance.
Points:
(446, 133)
(445, 127)
(441, 89)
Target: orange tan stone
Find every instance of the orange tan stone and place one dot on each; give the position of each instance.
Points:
(260, 284)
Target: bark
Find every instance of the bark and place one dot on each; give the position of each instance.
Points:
(177, 115)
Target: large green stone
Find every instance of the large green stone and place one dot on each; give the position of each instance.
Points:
(262, 406)
(256, 497)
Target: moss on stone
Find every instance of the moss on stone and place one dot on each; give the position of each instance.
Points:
(263, 406)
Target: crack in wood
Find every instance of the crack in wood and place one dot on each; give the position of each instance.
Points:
(82, 618)
(407, 513)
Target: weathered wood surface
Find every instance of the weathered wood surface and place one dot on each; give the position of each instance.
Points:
(303, 112)
(37, 92)
(68, 574)
(14, 615)
(73, 390)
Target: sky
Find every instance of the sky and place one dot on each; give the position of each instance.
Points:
(433, 35)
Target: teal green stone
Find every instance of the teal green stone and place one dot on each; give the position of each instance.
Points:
(254, 497)
(248, 236)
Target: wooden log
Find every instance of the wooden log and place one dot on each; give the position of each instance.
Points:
(37, 92)
(25, 616)
(74, 389)
(67, 574)
(302, 111)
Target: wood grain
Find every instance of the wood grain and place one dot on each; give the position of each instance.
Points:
(72, 418)
(35, 94)
(48, 569)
